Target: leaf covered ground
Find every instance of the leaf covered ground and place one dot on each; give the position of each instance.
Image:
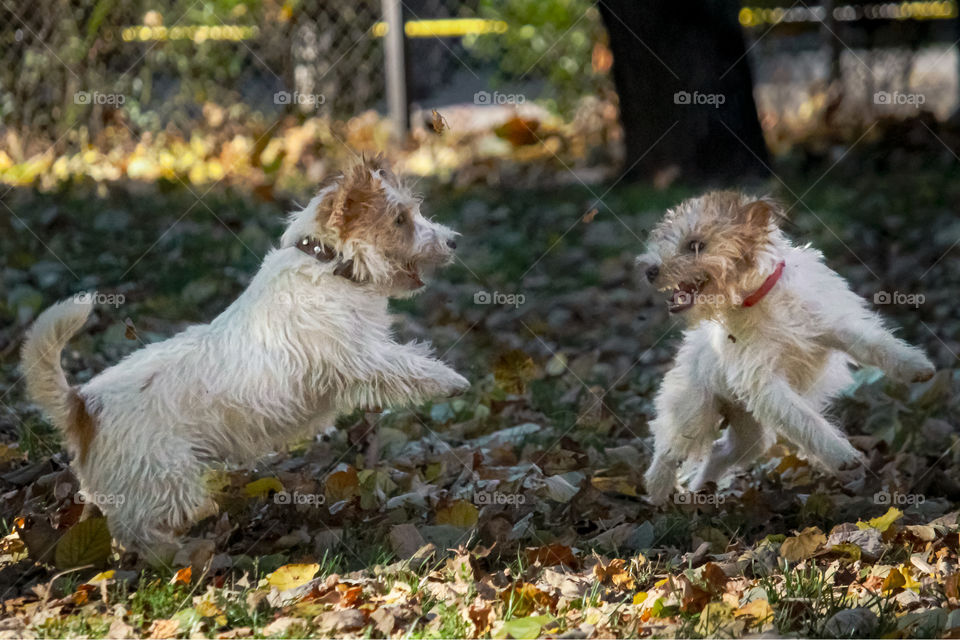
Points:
(516, 510)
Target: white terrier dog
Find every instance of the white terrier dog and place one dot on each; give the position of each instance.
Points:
(772, 331)
(308, 339)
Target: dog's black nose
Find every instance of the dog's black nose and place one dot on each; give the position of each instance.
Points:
(653, 272)
(451, 244)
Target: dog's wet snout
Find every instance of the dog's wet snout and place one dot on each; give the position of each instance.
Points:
(652, 272)
(451, 244)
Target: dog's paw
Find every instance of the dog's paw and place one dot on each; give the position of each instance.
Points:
(924, 374)
(455, 384)
(841, 457)
(659, 488)
(916, 367)
(446, 383)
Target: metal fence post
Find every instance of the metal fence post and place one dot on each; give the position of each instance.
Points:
(396, 67)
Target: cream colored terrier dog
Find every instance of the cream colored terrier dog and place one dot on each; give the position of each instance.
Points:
(772, 331)
(308, 339)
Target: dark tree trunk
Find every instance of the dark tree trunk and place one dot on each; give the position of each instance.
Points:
(667, 57)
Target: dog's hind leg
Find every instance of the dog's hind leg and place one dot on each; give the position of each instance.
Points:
(777, 405)
(155, 496)
(743, 441)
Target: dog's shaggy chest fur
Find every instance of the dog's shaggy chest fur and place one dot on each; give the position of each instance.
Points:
(300, 345)
(762, 370)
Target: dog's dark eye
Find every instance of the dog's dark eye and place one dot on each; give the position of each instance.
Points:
(401, 219)
(697, 246)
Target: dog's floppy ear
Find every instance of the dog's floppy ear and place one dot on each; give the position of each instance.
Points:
(758, 214)
(357, 192)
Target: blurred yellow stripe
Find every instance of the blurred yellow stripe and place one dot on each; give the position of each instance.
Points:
(924, 10)
(447, 28)
(197, 33)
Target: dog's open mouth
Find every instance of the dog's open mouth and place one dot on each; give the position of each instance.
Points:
(684, 296)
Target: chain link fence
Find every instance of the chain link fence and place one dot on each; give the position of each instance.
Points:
(68, 66)
(72, 71)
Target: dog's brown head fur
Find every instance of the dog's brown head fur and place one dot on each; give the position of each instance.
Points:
(705, 251)
(372, 219)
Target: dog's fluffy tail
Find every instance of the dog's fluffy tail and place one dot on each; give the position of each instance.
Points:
(46, 383)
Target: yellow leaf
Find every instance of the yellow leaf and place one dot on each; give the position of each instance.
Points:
(614, 572)
(639, 597)
(512, 370)
(87, 542)
(208, 609)
(803, 545)
(342, 485)
(103, 576)
(883, 522)
(759, 610)
(908, 581)
(459, 514)
(894, 580)
(262, 487)
(714, 617)
(291, 576)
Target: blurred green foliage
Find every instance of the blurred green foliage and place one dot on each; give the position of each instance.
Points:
(550, 39)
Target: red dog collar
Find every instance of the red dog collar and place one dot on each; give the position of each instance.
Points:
(764, 289)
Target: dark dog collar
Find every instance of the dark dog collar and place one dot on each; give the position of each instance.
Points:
(324, 253)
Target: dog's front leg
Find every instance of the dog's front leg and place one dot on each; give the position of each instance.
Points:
(406, 374)
(868, 342)
(687, 416)
(776, 405)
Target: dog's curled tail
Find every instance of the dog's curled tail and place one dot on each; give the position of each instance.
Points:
(40, 359)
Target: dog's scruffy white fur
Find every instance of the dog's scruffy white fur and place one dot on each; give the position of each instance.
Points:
(765, 368)
(308, 339)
